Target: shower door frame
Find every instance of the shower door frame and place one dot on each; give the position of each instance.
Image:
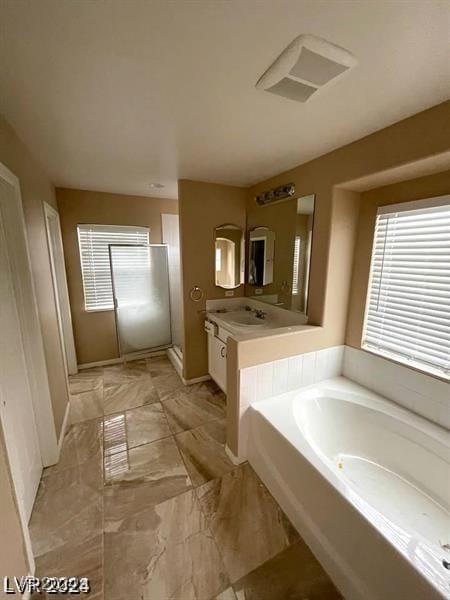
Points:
(145, 351)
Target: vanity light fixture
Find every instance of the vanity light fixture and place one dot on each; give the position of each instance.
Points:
(282, 192)
(307, 64)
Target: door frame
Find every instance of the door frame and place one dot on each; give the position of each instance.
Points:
(60, 290)
(34, 356)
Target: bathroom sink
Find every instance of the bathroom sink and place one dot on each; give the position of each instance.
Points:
(244, 319)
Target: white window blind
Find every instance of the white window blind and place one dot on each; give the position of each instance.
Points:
(94, 241)
(295, 276)
(408, 304)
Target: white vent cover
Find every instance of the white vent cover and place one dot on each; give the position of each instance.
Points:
(308, 63)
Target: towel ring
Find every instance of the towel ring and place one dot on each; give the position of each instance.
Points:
(196, 294)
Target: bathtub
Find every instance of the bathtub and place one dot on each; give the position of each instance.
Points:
(365, 482)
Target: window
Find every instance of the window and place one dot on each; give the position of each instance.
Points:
(94, 241)
(295, 276)
(408, 303)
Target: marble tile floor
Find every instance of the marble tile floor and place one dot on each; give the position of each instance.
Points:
(145, 502)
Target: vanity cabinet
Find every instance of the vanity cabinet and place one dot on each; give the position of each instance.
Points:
(217, 358)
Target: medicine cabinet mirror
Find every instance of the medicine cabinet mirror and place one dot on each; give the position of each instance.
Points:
(279, 251)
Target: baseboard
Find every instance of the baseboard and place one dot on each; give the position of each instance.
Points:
(27, 594)
(196, 380)
(236, 460)
(100, 363)
(64, 426)
(121, 359)
(176, 362)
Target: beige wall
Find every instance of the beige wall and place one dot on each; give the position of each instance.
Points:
(415, 189)
(95, 332)
(334, 234)
(35, 189)
(335, 226)
(203, 207)
(336, 213)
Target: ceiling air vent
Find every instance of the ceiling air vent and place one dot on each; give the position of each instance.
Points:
(307, 64)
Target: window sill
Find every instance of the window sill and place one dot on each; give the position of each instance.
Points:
(97, 310)
(411, 364)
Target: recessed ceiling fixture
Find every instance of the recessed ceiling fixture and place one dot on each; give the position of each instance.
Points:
(307, 64)
(157, 185)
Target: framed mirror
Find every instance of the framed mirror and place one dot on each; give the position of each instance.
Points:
(229, 256)
(279, 252)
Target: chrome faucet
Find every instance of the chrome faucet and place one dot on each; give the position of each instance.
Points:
(260, 314)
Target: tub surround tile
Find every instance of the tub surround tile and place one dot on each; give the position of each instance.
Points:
(280, 379)
(416, 391)
(123, 431)
(248, 378)
(309, 365)
(193, 405)
(86, 380)
(68, 506)
(203, 451)
(328, 363)
(78, 558)
(141, 477)
(295, 372)
(167, 551)
(294, 573)
(125, 396)
(264, 378)
(126, 373)
(248, 525)
(86, 405)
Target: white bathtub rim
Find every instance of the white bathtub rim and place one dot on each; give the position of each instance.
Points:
(365, 397)
(340, 571)
(370, 400)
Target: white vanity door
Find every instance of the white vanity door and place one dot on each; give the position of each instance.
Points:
(217, 361)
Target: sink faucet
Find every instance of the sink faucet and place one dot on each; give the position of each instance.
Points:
(260, 314)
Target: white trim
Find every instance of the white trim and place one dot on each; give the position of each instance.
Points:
(176, 362)
(196, 380)
(414, 205)
(65, 424)
(33, 344)
(236, 460)
(27, 594)
(178, 366)
(121, 359)
(100, 363)
(60, 290)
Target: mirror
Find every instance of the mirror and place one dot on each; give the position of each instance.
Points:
(279, 238)
(260, 259)
(229, 256)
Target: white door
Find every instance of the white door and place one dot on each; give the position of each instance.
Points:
(16, 399)
(171, 237)
(59, 277)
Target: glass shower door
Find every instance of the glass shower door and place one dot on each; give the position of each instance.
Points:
(140, 280)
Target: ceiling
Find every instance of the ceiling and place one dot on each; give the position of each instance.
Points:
(113, 95)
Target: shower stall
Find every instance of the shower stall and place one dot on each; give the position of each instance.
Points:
(140, 282)
(146, 285)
